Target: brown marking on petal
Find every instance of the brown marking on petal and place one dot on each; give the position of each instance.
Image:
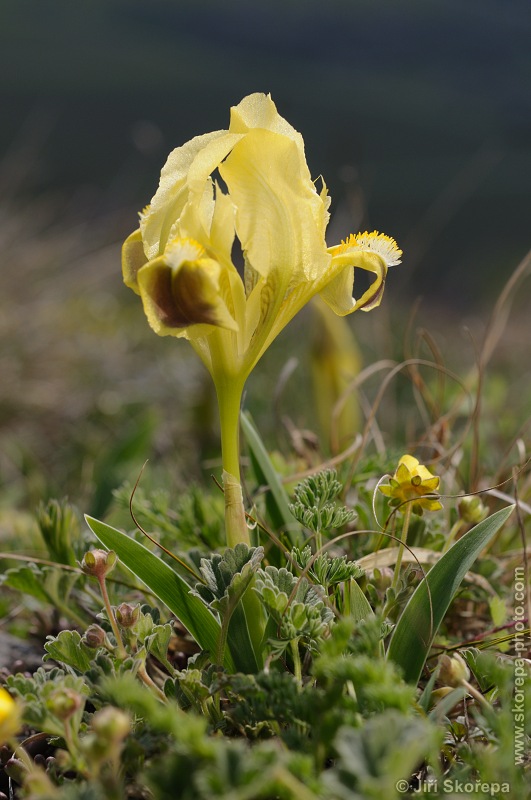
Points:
(190, 306)
(178, 299)
(374, 299)
(161, 296)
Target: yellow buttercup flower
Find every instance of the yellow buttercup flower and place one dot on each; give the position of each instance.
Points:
(409, 486)
(9, 716)
(246, 190)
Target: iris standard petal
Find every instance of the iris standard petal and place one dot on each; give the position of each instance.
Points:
(185, 170)
(259, 111)
(278, 218)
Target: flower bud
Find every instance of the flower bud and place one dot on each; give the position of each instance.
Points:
(383, 578)
(94, 637)
(16, 769)
(64, 702)
(111, 724)
(472, 510)
(453, 670)
(98, 562)
(127, 615)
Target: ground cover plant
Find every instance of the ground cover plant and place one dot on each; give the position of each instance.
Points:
(346, 618)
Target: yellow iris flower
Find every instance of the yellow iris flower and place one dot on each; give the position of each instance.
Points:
(410, 484)
(233, 245)
(246, 190)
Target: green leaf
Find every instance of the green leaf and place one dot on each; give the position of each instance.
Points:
(228, 577)
(420, 620)
(158, 641)
(277, 501)
(67, 648)
(48, 585)
(165, 584)
(28, 580)
(59, 525)
(447, 703)
(359, 607)
(377, 759)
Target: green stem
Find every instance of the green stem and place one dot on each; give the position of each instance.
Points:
(403, 540)
(293, 785)
(148, 681)
(122, 652)
(456, 527)
(476, 695)
(297, 666)
(229, 393)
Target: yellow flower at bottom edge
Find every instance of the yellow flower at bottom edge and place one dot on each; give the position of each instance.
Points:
(410, 484)
(233, 244)
(9, 716)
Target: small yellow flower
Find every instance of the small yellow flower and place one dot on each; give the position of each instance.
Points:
(9, 716)
(412, 481)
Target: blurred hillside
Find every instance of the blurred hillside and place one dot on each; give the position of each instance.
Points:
(417, 114)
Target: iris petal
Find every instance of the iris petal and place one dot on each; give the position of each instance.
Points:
(182, 299)
(278, 219)
(338, 292)
(133, 258)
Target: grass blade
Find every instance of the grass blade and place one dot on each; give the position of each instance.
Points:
(419, 622)
(277, 502)
(165, 584)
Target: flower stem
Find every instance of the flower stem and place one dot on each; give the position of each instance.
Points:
(476, 695)
(148, 681)
(229, 393)
(403, 540)
(453, 533)
(122, 652)
(297, 666)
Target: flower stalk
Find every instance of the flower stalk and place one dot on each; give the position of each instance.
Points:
(401, 546)
(229, 396)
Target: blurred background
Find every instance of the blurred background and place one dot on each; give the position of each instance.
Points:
(417, 114)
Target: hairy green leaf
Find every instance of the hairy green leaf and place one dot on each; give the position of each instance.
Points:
(67, 648)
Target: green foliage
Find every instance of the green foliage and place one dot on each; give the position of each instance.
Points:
(228, 576)
(324, 569)
(193, 518)
(332, 701)
(314, 505)
(39, 696)
(374, 759)
(276, 501)
(297, 609)
(165, 583)
(67, 648)
(423, 615)
(48, 585)
(60, 528)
